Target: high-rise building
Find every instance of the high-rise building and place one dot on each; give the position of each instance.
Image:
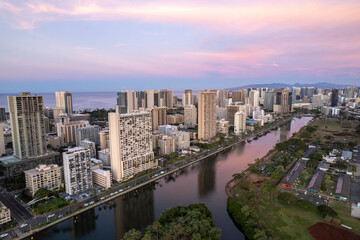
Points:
(130, 144)
(158, 117)
(90, 132)
(281, 101)
(2, 114)
(350, 92)
(182, 140)
(141, 99)
(77, 170)
(222, 127)
(168, 129)
(190, 116)
(166, 144)
(269, 101)
(334, 97)
(126, 101)
(170, 99)
(230, 113)
(207, 114)
(27, 123)
(240, 123)
(43, 176)
(188, 98)
(67, 130)
(296, 92)
(2, 140)
(104, 139)
(239, 96)
(254, 98)
(175, 119)
(87, 144)
(223, 97)
(317, 100)
(63, 101)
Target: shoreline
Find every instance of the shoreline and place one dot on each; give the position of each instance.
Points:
(75, 213)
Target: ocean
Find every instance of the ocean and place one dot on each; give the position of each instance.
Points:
(81, 100)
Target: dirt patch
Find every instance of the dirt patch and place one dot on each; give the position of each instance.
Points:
(324, 231)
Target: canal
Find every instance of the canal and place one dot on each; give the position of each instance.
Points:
(202, 182)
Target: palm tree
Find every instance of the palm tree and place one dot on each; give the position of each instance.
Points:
(156, 226)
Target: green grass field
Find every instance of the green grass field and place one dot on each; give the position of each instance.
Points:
(344, 212)
(50, 206)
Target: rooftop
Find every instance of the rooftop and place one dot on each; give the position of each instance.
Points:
(295, 173)
(316, 180)
(9, 159)
(308, 152)
(343, 186)
(346, 154)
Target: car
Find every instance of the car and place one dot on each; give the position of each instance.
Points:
(4, 235)
(80, 207)
(162, 172)
(92, 202)
(51, 215)
(23, 225)
(150, 176)
(60, 216)
(112, 193)
(86, 204)
(156, 175)
(121, 190)
(102, 198)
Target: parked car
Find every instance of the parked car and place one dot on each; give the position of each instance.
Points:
(51, 215)
(23, 225)
(4, 235)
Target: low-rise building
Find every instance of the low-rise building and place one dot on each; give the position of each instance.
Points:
(166, 145)
(222, 127)
(315, 182)
(43, 176)
(182, 140)
(342, 190)
(5, 215)
(90, 132)
(102, 178)
(104, 156)
(167, 129)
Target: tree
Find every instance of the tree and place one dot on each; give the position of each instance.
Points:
(277, 173)
(42, 193)
(340, 164)
(156, 226)
(326, 211)
(132, 234)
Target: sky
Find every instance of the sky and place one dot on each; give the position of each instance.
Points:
(108, 45)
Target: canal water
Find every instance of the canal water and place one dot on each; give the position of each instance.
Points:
(202, 182)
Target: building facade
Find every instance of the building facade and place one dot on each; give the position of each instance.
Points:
(27, 124)
(104, 139)
(43, 176)
(207, 114)
(222, 127)
(67, 130)
(130, 144)
(77, 170)
(102, 178)
(90, 132)
(158, 116)
(240, 123)
(63, 101)
(5, 215)
(190, 116)
(166, 145)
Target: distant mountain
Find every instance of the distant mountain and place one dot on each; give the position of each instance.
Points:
(284, 85)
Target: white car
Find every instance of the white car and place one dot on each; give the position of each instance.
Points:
(51, 215)
(23, 225)
(162, 172)
(92, 202)
(4, 235)
(86, 204)
(60, 216)
(121, 190)
(102, 198)
(112, 194)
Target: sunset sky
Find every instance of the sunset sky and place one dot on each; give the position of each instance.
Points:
(106, 45)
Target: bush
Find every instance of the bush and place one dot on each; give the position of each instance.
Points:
(287, 198)
(326, 211)
(310, 129)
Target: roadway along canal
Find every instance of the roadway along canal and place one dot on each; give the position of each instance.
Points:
(202, 182)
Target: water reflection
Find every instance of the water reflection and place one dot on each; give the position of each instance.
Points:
(83, 224)
(207, 177)
(284, 131)
(134, 210)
